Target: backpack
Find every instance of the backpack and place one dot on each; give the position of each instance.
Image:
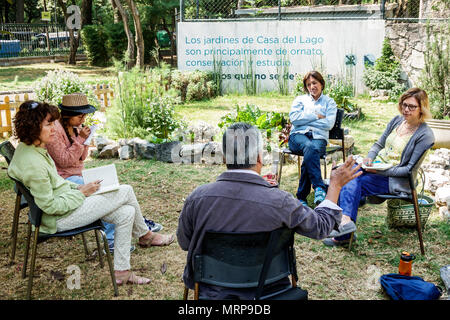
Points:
(400, 287)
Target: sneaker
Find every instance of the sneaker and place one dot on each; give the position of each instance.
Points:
(331, 242)
(304, 202)
(153, 226)
(111, 247)
(319, 195)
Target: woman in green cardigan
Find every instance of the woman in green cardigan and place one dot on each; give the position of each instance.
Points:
(67, 205)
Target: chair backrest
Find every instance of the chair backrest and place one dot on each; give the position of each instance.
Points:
(235, 260)
(7, 150)
(35, 213)
(337, 132)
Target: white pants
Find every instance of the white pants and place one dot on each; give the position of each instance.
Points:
(118, 207)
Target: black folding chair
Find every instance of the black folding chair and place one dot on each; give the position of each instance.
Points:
(34, 218)
(248, 260)
(7, 151)
(413, 199)
(337, 132)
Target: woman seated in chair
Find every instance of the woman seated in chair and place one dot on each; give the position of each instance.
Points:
(405, 139)
(67, 205)
(312, 116)
(68, 151)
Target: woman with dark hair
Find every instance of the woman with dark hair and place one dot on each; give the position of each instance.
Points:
(67, 205)
(312, 116)
(68, 150)
(404, 141)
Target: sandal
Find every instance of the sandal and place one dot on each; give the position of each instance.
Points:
(166, 239)
(132, 278)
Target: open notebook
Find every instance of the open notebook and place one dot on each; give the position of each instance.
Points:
(378, 166)
(106, 173)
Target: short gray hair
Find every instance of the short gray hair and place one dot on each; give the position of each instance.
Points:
(241, 145)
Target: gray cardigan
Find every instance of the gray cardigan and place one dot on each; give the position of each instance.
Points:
(420, 141)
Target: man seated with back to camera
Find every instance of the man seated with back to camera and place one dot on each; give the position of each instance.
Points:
(242, 201)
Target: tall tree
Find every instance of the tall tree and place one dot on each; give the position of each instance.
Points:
(74, 41)
(138, 30)
(130, 47)
(86, 12)
(20, 11)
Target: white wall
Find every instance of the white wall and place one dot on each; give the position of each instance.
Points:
(308, 45)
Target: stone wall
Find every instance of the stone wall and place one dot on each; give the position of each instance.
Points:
(408, 42)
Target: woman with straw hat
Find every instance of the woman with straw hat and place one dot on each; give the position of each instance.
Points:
(68, 150)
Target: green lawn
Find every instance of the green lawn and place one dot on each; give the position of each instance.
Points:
(327, 273)
(18, 78)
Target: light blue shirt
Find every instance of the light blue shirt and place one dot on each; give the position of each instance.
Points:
(303, 115)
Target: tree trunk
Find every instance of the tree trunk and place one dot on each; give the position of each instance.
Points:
(86, 12)
(117, 17)
(74, 40)
(20, 9)
(139, 36)
(130, 47)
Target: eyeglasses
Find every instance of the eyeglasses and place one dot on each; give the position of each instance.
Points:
(410, 107)
(32, 105)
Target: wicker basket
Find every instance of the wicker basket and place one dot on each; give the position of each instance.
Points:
(401, 213)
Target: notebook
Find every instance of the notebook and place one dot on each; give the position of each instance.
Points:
(378, 166)
(106, 173)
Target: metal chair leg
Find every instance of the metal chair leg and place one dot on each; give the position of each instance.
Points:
(27, 250)
(186, 293)
(299, 167)
(281, 161)
(110, 264)
(196, 291)
(15, 227)
(417, 214)
(351, 241)
(325, 167)
(86, 250)
(33, 261)
(100, 254)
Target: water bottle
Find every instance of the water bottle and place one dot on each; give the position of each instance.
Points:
(405, 266)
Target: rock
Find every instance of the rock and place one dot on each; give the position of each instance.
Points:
(203, 132)
(434, 181)
(123, 142)
(93, 152)
(164, 151)
(444, 213)
(126, 152)
(101, 142)
(191, 153)
(144, 149)
(212, 153)
(109, 151)
(442, 195)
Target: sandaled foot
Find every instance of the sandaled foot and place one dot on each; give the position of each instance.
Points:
(130, 277)
(157, 240)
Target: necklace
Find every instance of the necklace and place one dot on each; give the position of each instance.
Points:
(406, 129)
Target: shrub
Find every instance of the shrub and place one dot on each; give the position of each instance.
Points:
(267, 122)
(58, 83)
(194, 85)
(435, 77)
(385, 74)
(117, 40)
(94, 39)
(142, 108)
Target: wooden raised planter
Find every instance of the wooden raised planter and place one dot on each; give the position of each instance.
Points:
(441, 130)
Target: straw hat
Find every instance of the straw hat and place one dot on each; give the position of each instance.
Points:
(76, 103)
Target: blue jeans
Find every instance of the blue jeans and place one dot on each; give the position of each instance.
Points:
(109, 227)
(312, 150)
(367, 184)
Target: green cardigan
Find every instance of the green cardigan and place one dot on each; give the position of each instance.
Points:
(55, 196)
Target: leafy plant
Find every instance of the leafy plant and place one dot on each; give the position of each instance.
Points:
(435, 76)
(58, 83)
(385, 74)
(267, 122)
(94, 39)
